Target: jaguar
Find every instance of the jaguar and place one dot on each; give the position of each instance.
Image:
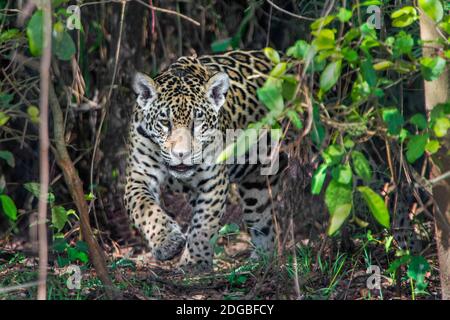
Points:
(178, 115)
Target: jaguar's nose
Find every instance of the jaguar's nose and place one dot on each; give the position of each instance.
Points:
(181, 144)
(180, 155)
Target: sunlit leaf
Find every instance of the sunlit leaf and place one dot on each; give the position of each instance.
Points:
(376, 205)
(9, 207)
(361, 166)
(432, 8)
(416, 147)
(318, 179)
(330, 75)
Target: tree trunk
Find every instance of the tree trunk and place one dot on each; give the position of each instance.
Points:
(437, 91)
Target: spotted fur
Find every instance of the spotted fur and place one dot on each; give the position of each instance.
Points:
(193, 96)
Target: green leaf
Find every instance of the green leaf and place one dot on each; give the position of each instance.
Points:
(60, 245)
(73, 254)
(63, 46)
(33, 113)
(432, 146)
(383, 65)
(417, 270)
(8, 157)
(403, 260)
(362, 166)
(35, 33)
(272, 55)
(294, 118)
(271, 96)
(82, 246)
(368, 72)
(9, 35)
(229, 228)
(318, 130)
(62, 261)
(344, 15)
(318, 179)
(419, 120)
(348, 142)
(324, 39)
(59, 217)
(350, 55)
(221, 45)
(432, 68)
(34, 188)
(404, 17)
(376, 205)
(338, 198)
(289, 87)
(393, 119)
(433, 9)
(403, 44)
(445, 25)
(341, 214)
(298, 50)
(330, 75)
(9, 207)
(321, 22)
(4, 118)
(279, 69)
(333, 154)
(416, 147)
(337, 194)
(441, 126)
(342, 173)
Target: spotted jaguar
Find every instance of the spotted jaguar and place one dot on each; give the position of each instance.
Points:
(179, 114)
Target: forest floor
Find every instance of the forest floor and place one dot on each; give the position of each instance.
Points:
(324, 272)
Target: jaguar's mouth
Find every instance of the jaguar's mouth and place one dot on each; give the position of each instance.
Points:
(182, 168)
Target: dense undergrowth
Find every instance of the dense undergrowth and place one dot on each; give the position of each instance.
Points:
(347, 81)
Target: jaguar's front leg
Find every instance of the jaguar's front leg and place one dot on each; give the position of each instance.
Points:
(209, 206)
(162, 234)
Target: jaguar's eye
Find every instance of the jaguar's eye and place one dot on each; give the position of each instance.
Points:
(165, 122)
(199, 114)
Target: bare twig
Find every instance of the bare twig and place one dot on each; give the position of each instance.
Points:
(169, 12)
(43, 149)
(289, 13)
(108, 100)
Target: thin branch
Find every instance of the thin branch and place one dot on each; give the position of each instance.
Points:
(289, 13)
(168, 11)
(43, 149)
(105, 110)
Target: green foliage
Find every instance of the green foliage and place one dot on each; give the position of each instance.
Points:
(8, 157)
(338, 198)
(67, 254)
(416, 147)
(404, 17)
(417, 269)
(62, 44)
(359, 51)
(376, 205)
(433, 9)
(8, 207)
(361, 166)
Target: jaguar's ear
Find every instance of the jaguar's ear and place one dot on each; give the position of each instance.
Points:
(145, 87)
(216, 89)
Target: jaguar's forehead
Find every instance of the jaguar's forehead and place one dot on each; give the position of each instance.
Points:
(181, 88)
(186, 76)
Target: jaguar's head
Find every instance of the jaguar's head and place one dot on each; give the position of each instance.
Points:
(180, 112)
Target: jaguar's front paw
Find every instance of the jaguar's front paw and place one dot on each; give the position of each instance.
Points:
(195, 264)
(169, 246)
